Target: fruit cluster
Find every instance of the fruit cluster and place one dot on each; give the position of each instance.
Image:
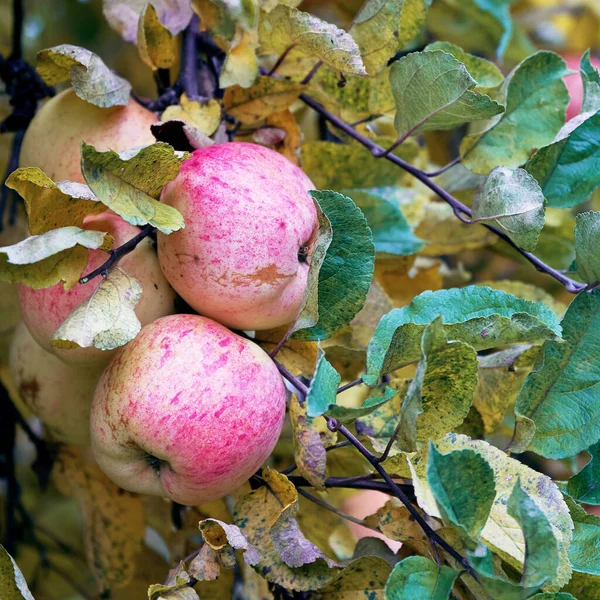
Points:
(188, 409)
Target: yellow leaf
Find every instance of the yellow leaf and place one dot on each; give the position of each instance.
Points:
(204, 117)
(241, 64)
(113, 518)
(156, 44)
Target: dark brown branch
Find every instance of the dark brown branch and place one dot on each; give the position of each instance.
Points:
(189, 75)
(17, 29)
(445, 168)
(459, 208)
(118, 253)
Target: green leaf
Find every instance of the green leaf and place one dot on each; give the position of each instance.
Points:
(587, 245)
(347, 414)
(412, 21)
(156, 44)
(536, 100)
(106, 319)
(323, 388)
(514, 200)
(557, 409)
(568, 169)
(463, 485)
(351, 166)
(375, 30)
(284, 26)
(346, 272)
(479, 316)
(441, 393)
(418, 577)
(391, 232)
(553, 596)
(584, 553)
(129, 186)
(485, 73)
(252, 105)
(39, 247)
(52, 205)
(432, 90)
(502, 533)
(591, 84)
(541, 546)
(12, 583)
(585, 486)
(91, 79)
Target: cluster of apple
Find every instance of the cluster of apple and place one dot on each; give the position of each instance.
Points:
(188, 409)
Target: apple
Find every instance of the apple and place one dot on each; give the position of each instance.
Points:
(574, 83)
(243, 256)
(44, 310)
(59, 395)
(188, 410)
(53, 139)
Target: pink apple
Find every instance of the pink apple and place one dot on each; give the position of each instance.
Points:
(59, 395)
(53, 139)
(188, 410)
(44, 310)
(574, 84)
(249, 222)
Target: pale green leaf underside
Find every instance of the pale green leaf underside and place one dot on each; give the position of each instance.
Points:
(587, 246)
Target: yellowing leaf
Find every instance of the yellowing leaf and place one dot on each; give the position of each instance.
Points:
(285, 26)
(106, 319)
(52, 205)
(128, 187)
(296, 356)
(156, 44)
(91, 79)
(204, 117)
(290, 145)
(113, 518)
(254, 104)
(12, 583)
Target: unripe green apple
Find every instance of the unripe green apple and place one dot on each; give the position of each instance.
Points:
(59, 395)
(188, 410)
(53, 139)
(249, 223)
(44, 310)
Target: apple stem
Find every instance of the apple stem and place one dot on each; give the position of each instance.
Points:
(118, 253)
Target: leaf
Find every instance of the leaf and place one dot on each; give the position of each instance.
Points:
(91, 79)
(432, 90)
(591, 84)
(584, 553)
(106, 319)
(181, 136)
(514, 200)
(391, 232)
(481, 317)
(12, 583)
(567, 169)
(113, 518)
(541, 546)
(536, 100)
(441, 393)
(203, 117)
(156, 44)
(128, 187)
(285, 26)
(39, 247)
(337, 167)
(485, 73)
(175, 587)
(557, 410)
(463, 485)
(65, 266)
(52, 205)
(346, 272)
(587, 242)
(123, 15)
(419, 577)
(501, 532)
(254, 104)
(309, 451)
(219, 535)
(323, 388)
(257, 512)
(290, 145)
(584, 487)
(375, 30)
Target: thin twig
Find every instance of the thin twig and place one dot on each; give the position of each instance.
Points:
(347, 386)
(312, 73)
(280, 60)
(445, 168)
(118, 253)
(334, 510)
(570, 284)
(189, 75)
